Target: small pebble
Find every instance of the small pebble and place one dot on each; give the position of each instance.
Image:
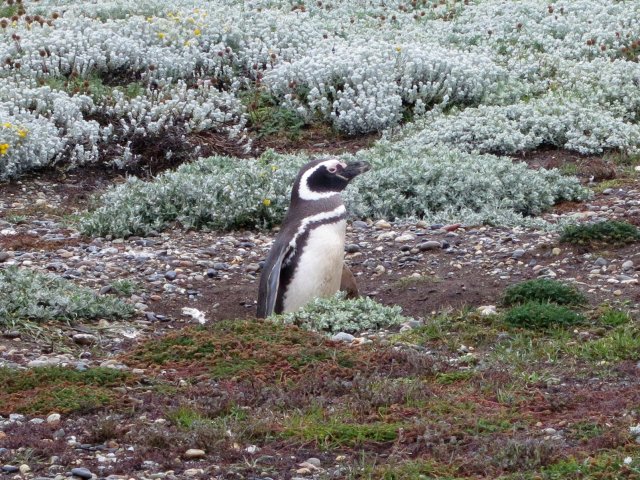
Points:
(82, 473)
(194, 453)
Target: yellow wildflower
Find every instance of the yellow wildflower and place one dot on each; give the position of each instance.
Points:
(3, 148)
(266, 202)
(160, 35)
(197, 32)
(6, 125)
(398, 49)
(273, 168)
(22, 132)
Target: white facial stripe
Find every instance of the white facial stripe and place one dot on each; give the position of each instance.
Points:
(318, 217)
(306, 193)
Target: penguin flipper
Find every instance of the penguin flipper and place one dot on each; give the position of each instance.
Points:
(270, 282)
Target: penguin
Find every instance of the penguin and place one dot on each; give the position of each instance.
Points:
(306, 259)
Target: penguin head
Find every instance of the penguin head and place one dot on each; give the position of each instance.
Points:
(324, 178)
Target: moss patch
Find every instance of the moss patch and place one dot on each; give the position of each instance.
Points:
(58, 389)
(246, 350)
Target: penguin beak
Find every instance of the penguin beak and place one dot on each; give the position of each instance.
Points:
(354, 169)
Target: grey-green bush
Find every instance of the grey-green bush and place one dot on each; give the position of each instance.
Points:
(224, 193)
(335, 314)
(26, 295)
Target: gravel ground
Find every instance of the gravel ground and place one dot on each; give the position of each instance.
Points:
(424, 268)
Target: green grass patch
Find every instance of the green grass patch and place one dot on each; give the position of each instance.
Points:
(544, 291)
(246, 350)
(94, 86)
(185, 417)
(269, 117)
(612, 317)
(26, 295)
(125, 287)
(585, 430)
(407, 470)
(448, 378)
(64, 390)
(608, 232)
(465, 327)
(538, 315)
(607, 465)
(75, 398)
(623, 159)
(8, 11)
(621, 343)
(331, 432)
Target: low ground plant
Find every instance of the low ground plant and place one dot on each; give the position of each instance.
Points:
(540, 316)
(337, 314)
(29, 296)
(543, 290)
(224, 193)
(609, 232)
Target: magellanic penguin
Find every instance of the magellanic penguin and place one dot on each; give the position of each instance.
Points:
(307, 256)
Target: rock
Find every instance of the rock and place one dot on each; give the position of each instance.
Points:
(10, 469)
(617, 293)
(106, 289)
(84, 339)
(11, 334)
(192, 472)
(171, 275)
(194, 453)
(519, 253)
(352, 248)
(382, 224)
(54, 418)
(4, 256)
(487, 310)
(252, 267)
(24, 469)
(386, 236)
(607, 191)
(82, 473)
(628, 265)
(429, 245)
(360, 225)
(221, 266)
(406, 237)
(251, 449)
(212, 273)
(452, 227)
(313, 461)
(601, 262)
(343, 337)
(556, 251)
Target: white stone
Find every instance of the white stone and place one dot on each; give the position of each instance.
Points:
(194, 453)
(486, 310)
(54, 418)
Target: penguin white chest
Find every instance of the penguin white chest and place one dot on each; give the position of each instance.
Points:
(319, 267)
